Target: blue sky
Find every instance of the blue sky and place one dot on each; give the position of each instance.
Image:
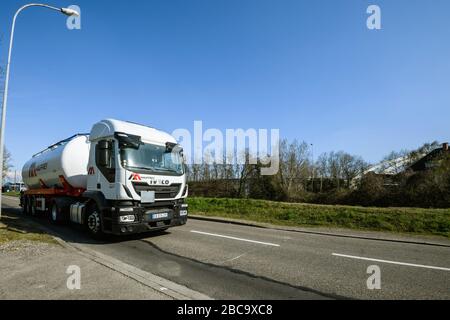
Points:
(310, 68)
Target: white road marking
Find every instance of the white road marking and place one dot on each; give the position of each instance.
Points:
(234, 238)
(392, 262)
(235, 258)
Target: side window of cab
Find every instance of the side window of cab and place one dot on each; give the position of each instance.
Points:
(105, 159)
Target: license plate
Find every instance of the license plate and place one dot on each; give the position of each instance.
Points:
(160, 215)
(147, 196)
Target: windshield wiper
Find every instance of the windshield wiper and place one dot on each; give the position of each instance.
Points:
(154, 169)
(165, 169)
(143, 168)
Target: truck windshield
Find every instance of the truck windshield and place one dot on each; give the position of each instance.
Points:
(152, 158)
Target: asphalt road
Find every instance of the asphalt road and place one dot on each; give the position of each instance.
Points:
(227, 261)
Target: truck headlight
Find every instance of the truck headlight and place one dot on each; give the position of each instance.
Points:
(126, 209)
(129, 218)
(183, 213)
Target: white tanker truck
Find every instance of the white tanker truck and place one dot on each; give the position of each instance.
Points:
(122, 178)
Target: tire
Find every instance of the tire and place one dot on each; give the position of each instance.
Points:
(28, 206)
(24, 206)
(94, 223)
(33, 210)
(55, 214)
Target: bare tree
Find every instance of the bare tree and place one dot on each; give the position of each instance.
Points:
(338, 167)
(244, 172)
(335, 168)
(294, 167)
(6, 162)
(322, 168)
(350, 167)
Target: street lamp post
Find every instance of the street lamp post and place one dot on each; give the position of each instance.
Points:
(313, 167)
(66, 11)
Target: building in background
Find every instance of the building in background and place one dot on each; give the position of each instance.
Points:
(413, 162)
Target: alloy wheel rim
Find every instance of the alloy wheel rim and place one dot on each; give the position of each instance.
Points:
(94, 222)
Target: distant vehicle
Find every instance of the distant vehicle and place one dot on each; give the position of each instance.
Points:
(122, 178)
(10, 187)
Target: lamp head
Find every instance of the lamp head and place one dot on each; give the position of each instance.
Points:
(70, 12)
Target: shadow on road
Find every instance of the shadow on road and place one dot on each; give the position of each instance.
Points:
(15, 220)
(219, 281)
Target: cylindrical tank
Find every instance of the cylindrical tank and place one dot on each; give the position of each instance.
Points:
(68, 158)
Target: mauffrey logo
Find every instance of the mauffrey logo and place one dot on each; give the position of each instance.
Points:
(32, 171)
(135, 177)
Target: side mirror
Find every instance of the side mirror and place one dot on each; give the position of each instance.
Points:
(170, 147)
(104, 150)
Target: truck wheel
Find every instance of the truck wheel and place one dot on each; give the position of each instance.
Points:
(28, 205)
(94, 224)
(32, 207)
(55, 214)
(25, 205)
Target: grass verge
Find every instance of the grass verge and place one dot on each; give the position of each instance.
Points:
(12, 194)
(7, 235)
(404, 220)
(15, 228)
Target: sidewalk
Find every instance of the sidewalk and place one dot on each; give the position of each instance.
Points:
(36, 269)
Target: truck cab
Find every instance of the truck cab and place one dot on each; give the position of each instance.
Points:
(136, 177)
(121, 178)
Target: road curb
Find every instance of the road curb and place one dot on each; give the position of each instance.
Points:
(315, 232)
(167, 287)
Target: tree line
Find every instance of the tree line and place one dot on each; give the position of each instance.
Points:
(332, 178)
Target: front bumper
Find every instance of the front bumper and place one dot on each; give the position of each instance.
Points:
(145, 221)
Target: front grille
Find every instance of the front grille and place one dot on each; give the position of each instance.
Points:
(161, 192)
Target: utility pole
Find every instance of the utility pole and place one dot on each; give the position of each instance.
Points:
(313, 166)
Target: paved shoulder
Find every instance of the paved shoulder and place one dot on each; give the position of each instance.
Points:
(36, 270)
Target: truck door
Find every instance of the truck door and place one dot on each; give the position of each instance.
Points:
(102, 176)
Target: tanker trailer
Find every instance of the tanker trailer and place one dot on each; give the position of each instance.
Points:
(63, 162)
(122, 178)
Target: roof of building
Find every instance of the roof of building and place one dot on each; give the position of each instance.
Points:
(390, 167)
(396, 166)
